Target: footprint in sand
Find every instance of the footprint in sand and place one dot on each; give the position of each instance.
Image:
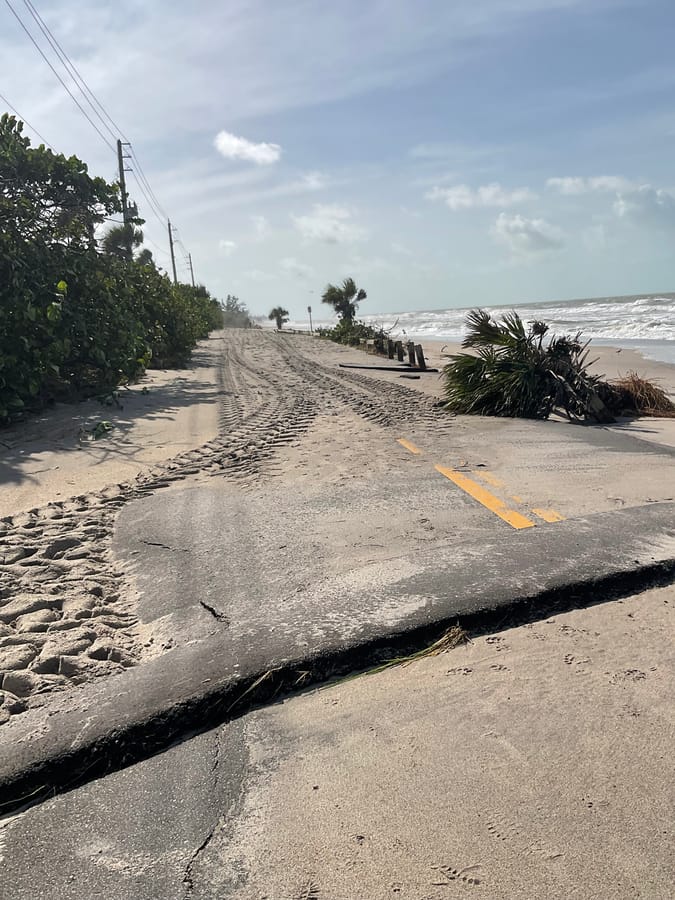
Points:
(628, 675)
(470, 875)
(497, 643)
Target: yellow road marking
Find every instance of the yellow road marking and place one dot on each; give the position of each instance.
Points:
(549, 515)
(489, 478)
(494, 504)
(408, 446)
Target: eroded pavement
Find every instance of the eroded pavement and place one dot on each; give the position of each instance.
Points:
(331, 503)
(534, 761)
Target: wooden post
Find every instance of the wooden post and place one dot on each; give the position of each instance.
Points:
(399, 351)
(420, 357)
(390, 348)
(411, 353)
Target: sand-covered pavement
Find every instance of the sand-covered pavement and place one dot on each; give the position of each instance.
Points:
(65, 613)
(295, 465)
(270, 506)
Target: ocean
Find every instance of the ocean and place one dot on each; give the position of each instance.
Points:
(642, 322)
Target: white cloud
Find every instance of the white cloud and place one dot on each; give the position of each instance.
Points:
(227, 248)
(461, 196)
(261, 226)
(574, 186)
(569, 186)
(330, 223)
(526, 237)
(232, 147)
(297, 269)
(257, 275)
(647, 206)
(314, 181)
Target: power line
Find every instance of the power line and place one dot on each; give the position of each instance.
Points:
(141, 174)
(147, 240)
(94, 102)
(161, 219)
(70, 93)
(25, 121)
(71, 70)
(97, 108)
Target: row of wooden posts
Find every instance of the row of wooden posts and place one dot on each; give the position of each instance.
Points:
(398, 349)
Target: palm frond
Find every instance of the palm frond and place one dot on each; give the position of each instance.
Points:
(512, 372)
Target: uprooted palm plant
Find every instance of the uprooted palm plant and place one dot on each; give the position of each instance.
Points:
(514, 372)
(632, 395)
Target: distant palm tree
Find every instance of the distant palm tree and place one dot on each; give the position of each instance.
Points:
(513, 373)
(144, 257)
(280, 316)
(122, 240)
(345, 299)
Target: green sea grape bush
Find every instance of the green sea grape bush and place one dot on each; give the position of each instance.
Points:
(79, 314)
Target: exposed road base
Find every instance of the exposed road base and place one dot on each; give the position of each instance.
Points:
(108, 725)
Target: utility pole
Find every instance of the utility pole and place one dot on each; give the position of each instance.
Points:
(309, 310)
(123, 183)
(192, 274)
(173, 258)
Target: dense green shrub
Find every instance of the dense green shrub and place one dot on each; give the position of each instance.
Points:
(350, 332)
(74, 319)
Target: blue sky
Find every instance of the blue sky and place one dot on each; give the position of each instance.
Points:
(444, 154)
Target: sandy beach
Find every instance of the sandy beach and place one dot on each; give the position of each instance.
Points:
(533, 762)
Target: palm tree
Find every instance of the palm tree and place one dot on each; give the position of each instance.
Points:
(122, 240)
(145, 258)
(513, 373)
(345, 299)
(280, 316)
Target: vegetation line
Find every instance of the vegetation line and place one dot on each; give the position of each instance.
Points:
(82, 309)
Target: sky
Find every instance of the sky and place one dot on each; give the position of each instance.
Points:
(443, 154)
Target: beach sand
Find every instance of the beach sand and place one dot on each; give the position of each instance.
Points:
(259, 412)
(531, 763)
(55, 455)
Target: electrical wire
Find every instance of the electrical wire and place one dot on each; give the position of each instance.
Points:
(160, 219)
(70, 93)
(103, 116)
(99, 111)
(147, 240)
(25, 121)
(73, 72)
(143, 178)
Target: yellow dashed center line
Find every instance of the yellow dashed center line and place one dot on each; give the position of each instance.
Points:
(549, 515)
(409, 446)
(494, 504)
(514, 518)
(489, 478)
